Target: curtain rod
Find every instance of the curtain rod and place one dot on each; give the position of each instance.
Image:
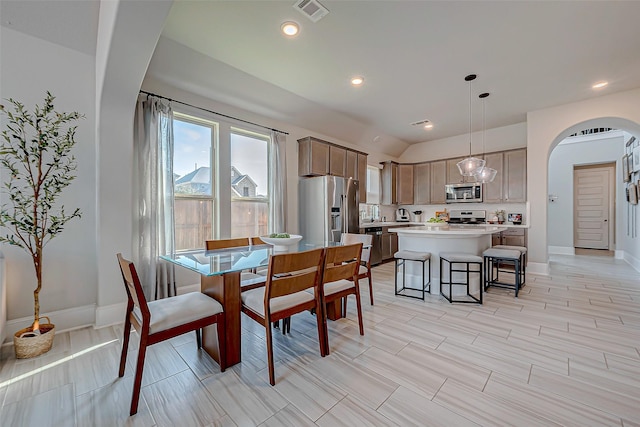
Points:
(214, 112)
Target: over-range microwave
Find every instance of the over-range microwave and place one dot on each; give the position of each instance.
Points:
(470, 192)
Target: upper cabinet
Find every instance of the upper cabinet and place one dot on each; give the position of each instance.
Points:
(422, 184)
(337, 160)
(438, 181)
(515, 176)
(313, 157)
(493, 190)
(362, 175)
(389, 178)
(453, 173)
(317, 157)
(405, 184)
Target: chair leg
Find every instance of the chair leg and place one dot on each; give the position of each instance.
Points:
(359, 308)
(370, 285)
(323, 333)
(137, 381)
(198, 338)
(222, 342)
(125, 344)
(272, 373)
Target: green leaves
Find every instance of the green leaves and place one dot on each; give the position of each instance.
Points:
(35, 152)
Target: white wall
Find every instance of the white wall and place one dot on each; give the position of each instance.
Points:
(29, 67)
(545, 129)
(564, 157)
(497, 139)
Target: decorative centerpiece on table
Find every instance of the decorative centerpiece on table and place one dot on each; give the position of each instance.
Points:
(281, 241)
(498, 216)
(35, 154)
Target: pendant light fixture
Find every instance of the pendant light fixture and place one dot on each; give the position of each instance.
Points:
(485, 174)
(470, 165)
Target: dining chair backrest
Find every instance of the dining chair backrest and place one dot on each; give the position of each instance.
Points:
(365, 239)
(226, 243)
(341, 262)
(134, 288)
(293, 272)
(255, 240)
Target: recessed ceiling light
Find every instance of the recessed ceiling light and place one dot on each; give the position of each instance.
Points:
(599, 85)
(428, 126)
(290, 28)
(357, 80)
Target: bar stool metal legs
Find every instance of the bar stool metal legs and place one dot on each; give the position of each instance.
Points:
(466, 260)
(401, 258)
(493, 258)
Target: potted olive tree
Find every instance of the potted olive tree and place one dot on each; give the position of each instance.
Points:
(35, 154)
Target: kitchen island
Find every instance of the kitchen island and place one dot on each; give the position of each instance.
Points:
(471, 239)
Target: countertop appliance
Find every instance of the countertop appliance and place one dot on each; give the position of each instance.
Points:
(470, 192)
(376, 244)
(402, 215)
(467, 217)
(328, 207)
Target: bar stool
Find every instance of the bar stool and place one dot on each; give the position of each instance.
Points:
(401, 257)
(523, 259)
(495, 258)
(468, 260)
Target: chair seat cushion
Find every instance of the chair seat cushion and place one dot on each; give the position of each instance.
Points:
(170, 312)
(338, 286)
(522, 249)
(254, 300)
(362, 270)
(460, 257)
(502, 253)
(412, 255)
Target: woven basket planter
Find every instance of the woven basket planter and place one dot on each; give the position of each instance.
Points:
(33, 346)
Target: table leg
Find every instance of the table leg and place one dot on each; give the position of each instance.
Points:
(226, 290)
(334, 310)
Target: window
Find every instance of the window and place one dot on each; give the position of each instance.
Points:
(196, 178)
(249, 184)
(193, 181)
(373, 185)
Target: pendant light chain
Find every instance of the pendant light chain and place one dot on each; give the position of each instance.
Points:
(471, 165)
(470, 115)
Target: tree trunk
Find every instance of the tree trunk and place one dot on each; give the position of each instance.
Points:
(37, 262)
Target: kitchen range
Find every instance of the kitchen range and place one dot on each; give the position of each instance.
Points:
(467, 217)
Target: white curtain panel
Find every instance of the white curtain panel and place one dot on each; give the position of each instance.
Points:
(278, 183)
(153, 226)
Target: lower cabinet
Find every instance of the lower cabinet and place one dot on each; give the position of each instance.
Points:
(510, 237)
(389, 245)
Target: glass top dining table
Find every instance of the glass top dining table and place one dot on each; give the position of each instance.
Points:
(228, 260)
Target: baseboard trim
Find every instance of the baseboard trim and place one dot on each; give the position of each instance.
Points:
(65, 320)
(562, 250)
(110, 314)
(538, 268)
(632, 261)
(618, 254)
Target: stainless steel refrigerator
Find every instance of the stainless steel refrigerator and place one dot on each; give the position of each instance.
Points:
(328, 207)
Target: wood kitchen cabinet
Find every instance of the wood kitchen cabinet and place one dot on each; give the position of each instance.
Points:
(389, 175)
(453, 173)
(510, 237)
(351, 165)
(422, 184)
(515, 176)
(362, 176)
(313, 157)
(337, 160)
(405, 184)
(493, 190)
(438, 181)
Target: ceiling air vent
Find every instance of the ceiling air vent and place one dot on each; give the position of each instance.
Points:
(420, 122)
(312, 9)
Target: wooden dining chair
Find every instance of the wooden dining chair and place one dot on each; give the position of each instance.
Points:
(340, 279)
(162, 319)
(364, 271)
(248, 279)
(289, 276)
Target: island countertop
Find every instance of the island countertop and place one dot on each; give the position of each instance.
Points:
(446, 230)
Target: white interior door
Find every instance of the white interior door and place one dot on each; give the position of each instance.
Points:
(593, 207)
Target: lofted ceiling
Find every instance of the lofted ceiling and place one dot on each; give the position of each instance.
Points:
(413, 55)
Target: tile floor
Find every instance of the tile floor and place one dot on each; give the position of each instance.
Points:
(566, 352)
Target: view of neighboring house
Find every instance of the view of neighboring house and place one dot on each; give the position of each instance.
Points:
(198, 181)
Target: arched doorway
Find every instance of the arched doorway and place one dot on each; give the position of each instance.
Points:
(596, 156)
